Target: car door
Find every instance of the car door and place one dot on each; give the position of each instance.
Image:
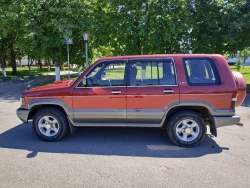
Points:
(152, 90)
(103, 99)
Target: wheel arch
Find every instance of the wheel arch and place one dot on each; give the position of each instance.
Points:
(38, 104)
(202, 111)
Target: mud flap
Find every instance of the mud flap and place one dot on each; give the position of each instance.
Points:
(71, 127)
(213, 129)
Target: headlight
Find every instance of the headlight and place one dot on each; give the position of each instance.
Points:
(22, 101)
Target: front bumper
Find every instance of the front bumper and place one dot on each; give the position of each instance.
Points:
(221, 121)
(23, 114)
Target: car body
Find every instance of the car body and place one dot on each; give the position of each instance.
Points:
(180, 92)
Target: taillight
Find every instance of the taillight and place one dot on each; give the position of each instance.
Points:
(233, 102)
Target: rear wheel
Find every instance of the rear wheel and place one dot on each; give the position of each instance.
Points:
(186, 128)
(50, 124)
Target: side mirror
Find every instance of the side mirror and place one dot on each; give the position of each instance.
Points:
(84, 81)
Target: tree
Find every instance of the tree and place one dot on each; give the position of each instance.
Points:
(219, 26)
(139, 27)
(11, 30)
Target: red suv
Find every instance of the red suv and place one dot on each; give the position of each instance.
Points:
(183, 93)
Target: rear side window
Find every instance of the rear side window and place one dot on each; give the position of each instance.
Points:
(152, 72)
(201, 71)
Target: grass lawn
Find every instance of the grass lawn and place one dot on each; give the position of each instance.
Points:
(24, 71)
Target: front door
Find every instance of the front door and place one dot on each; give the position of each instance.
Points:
(152, 90)
(103, 99)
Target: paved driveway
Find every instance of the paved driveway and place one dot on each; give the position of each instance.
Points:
(118, 157)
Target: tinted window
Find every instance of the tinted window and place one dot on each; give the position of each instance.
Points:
(201, 71)
(157, 72)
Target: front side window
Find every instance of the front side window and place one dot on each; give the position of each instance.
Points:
(201, 71)
(107, 74)
(155, 72)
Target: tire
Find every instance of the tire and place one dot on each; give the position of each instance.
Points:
(186, 128)
(50, 124)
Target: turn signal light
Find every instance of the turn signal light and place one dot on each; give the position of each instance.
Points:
(22, 101)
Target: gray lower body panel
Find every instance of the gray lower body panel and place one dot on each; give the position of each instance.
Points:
(90, 124)
(22, 114)
(152, 116)
(221, 121)
(96, 116)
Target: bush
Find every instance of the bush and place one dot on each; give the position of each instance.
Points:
(238, 65)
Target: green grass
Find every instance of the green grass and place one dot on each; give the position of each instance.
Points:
(24, 71)
(245, 72)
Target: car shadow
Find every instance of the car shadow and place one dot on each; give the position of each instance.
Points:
(138, 142)
(246, 102)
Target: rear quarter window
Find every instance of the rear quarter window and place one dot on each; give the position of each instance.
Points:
(201, 71)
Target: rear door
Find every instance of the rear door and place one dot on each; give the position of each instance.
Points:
(152, 89)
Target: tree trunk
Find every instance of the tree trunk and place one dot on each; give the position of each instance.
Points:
(30, 62)
(3, 65)
(29, 70)
(13, 59)
(40, 64)
(48, 61)
(57, 69)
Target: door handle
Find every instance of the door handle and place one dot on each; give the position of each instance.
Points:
(168, 91)
(116, 92)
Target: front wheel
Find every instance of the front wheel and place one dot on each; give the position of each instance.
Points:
(186, 128)
(50, 124)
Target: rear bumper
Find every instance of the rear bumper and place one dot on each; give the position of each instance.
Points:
(221, 121)
(22, 114)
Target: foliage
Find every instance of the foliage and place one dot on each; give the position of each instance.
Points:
(140, 27)
(244, 54)
(37, 28)
(238, 65)
(219, 26)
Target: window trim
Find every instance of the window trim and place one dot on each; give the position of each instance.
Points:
(213, 66)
